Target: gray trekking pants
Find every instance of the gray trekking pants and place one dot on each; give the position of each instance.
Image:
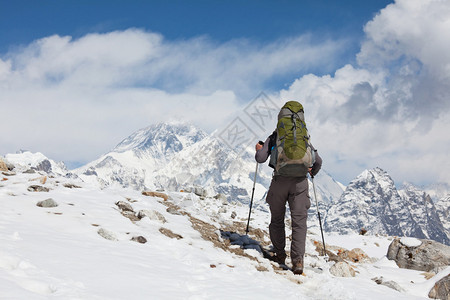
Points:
(293, 190)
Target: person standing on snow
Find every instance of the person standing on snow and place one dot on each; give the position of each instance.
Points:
(292, 156)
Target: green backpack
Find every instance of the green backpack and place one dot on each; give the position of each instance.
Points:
(292, 154)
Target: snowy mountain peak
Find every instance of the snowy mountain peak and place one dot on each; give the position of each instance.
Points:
(376, 176)
(166, 138)
(372, 202)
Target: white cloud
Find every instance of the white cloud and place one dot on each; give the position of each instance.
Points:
(392, 110)
(74, 99)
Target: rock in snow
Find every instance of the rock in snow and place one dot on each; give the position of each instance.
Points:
(342, 269)
(106, 234)
(441, 289)
(47, 203)
(424, 255)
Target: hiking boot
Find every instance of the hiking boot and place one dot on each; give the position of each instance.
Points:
(297, 267)
(279, 258)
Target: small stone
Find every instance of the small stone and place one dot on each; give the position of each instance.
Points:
(47, 203)
(106, 234)
(38, 188)
(71, 186)
(139, 239)
(152, 215)
(233, 215)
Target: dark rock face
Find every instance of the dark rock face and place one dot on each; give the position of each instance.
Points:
(45, 166)
(428, 256)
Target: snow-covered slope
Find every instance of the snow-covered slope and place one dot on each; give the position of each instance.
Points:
(27, 161)
(58, 252)
(372, 202)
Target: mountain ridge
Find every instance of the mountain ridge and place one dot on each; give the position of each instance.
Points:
(371, 202)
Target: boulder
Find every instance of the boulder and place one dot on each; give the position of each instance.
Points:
(342, 269)
(47, 203)
(441, 289)
(419, 254)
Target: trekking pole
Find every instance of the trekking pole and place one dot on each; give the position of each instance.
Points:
(324, 253)
(251, 201)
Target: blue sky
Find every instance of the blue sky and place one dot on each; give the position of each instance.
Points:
(221, 21)
(373, 76)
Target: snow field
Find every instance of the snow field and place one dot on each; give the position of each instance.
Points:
(56, 253)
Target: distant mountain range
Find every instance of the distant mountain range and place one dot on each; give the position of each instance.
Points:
(182, 157)
(372, 203)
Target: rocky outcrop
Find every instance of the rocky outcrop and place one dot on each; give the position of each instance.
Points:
(155, 194)
(422, 255)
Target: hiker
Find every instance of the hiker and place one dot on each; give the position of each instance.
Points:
(289, 181)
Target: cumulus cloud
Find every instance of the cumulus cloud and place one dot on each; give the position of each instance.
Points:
(392, 109)
(74, 99)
